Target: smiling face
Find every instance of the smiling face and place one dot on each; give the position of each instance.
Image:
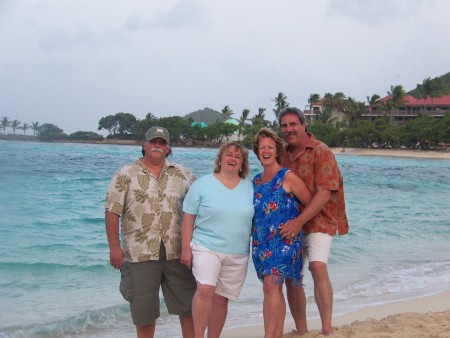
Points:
(292, 129)
(234, 156)
(267, 140)
(156, 149)
(231, 159)
(267, 150)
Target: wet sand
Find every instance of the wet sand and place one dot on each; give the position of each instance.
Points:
(421, 317)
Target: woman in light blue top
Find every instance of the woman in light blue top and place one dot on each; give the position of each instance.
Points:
(218, 211)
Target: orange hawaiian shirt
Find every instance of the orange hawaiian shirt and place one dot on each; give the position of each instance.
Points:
(319, 170)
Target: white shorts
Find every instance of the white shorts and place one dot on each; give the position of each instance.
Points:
(316, 247)
(224, 271)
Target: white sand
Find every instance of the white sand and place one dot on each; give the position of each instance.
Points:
(422, 317)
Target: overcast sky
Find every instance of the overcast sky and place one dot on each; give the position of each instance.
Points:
(73, 62)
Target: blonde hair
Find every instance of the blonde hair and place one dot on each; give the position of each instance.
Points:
(245, 165)
(265, 132)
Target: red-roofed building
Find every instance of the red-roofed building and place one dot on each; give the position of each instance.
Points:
(432, 106)
(412, 108)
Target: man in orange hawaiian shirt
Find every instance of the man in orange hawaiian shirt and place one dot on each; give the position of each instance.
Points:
(323, 217)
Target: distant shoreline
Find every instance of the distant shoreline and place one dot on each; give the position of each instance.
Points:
(435, 154)
(29, 138)
(412, 153)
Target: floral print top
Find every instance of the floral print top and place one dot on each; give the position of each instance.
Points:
(150, 209)
(318, 168)
(273, 255)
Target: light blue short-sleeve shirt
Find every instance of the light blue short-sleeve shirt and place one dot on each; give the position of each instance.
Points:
(224, 216)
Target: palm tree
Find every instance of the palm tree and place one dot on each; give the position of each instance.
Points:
(227, 111)
(280, 104)
(14, 125)
(339, 101)
(24, 127)
(313, 99)
(397, 98)
(331, 103)
(35, 127)
(373, 100)
(260, 118)
(334, 102)
(5, 123)
(351, 109)
(397, 95)
(242, 121)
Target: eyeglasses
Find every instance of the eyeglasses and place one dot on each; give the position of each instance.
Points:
(155, 141)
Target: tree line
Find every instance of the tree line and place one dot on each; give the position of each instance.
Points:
(351, 131)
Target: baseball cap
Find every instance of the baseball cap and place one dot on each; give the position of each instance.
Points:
(155, 132)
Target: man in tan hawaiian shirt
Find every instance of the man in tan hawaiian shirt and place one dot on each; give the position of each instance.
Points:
(322, 218)
(147, 196)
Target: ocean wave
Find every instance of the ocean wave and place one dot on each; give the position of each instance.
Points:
(80, 324)
(113, 321)
(412, 277)
(49, 267)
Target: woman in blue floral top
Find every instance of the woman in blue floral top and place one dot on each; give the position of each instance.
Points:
(277, 198)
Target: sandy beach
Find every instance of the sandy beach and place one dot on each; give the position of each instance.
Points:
(393, 152)
(421, 317)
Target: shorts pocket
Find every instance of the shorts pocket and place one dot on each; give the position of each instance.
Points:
(126, 283)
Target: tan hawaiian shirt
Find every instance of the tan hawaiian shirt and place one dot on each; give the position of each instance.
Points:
(150, 209)
(318, 168)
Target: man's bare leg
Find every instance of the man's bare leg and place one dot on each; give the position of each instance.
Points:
(323, 292)
(187, 326)
(145, 331)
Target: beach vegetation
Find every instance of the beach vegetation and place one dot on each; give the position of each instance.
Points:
(85, 136)
(243, 122)
(14, 125)
(424, 132)
(35, 127)
(337, 119)
(432, 88)
(227, 112)
(5, 123)
(280, 103)
(119, 125)
(24, 127)
(52, 132)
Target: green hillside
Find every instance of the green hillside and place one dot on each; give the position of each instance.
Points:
(207, 115)
(445, 78)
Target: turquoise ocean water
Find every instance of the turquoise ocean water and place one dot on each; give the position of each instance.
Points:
(56, 280)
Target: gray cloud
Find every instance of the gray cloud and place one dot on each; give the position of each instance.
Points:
(59, 39)
(73, 62)
(183, 15)
(376, 12)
